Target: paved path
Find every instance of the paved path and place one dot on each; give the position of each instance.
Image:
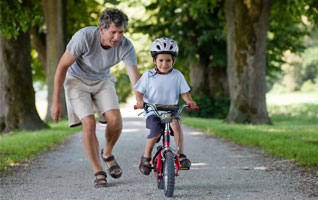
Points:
(220, 170)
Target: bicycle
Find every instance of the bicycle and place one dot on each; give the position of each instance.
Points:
(165, 161)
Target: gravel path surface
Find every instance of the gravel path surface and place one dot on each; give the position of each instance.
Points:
(220, 170)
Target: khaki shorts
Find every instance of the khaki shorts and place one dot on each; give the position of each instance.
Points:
(83, 95)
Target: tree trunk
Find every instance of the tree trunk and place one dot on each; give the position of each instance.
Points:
(54, 12)
(17, 99)
(247, 24)
(197, 78)
(218, 84)
(39, 44)
(210, 81)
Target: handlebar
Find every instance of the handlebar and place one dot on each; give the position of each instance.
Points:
(177, 108)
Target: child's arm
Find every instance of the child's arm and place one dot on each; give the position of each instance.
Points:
(140, 100)
(188, 99)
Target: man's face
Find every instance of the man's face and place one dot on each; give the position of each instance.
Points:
(112, 36)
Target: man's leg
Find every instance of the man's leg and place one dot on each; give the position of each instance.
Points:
(113, 131)
(90, 142)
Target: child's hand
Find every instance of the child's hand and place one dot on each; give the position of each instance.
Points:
(140, 104)
(192, 104)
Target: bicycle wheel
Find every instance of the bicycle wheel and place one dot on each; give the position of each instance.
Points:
(160, 183)
(169, 174)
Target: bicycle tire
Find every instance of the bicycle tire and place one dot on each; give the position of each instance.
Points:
(169, 174)
(160, 183)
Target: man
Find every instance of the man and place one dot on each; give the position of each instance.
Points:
(84, 70)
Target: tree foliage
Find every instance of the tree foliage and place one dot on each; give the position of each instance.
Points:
(286, 33)
(291, 22)
(199, 29)
(197, 26)
(38, 73)
(16, 16)
(81, 13)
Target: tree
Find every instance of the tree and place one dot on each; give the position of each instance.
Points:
(49, 36)
(285, 34)
(247, 25)
(54, 12)
(17, 99)
(291, 22)
(198, 28)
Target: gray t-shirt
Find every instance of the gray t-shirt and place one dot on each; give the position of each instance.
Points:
(93, 62)
(162, 88)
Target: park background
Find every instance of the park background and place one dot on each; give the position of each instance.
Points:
(252, 66)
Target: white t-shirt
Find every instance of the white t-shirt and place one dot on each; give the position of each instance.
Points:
(93, 62)
(162, 88)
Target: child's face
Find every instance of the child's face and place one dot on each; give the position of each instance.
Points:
(164, 62)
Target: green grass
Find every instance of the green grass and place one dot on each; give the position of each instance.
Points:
(294, 134)
(20, 146)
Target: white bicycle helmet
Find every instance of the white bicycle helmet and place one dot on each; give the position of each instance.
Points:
(164, 45)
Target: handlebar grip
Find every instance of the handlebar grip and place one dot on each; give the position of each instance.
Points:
(189, 107)
(135, 106)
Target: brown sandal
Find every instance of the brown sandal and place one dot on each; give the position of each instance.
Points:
(100, 182)
(185, 163)
(111, 170)
(143, 168)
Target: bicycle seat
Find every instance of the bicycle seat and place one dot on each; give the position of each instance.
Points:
(166, 118)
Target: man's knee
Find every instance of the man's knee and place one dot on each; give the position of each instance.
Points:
(113, 118)
(89, 123)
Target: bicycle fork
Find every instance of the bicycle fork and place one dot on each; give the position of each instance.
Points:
(159, 157)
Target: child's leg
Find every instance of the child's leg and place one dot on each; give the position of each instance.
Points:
(145, 166)
(179, 139)
(178, 135)
(149, 146)
(152, 123)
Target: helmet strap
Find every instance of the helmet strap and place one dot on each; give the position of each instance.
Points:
(159, 72)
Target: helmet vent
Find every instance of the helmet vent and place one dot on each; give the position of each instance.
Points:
(171, 47)
(164, 45)
(158, 47)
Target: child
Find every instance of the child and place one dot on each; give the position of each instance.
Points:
(162, 85)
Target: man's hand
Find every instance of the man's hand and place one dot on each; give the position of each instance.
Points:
(56, 112)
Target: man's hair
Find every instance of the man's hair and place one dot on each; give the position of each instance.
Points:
(113, 15)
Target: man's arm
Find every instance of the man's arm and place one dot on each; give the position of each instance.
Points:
(66, 60)
(134, 75)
